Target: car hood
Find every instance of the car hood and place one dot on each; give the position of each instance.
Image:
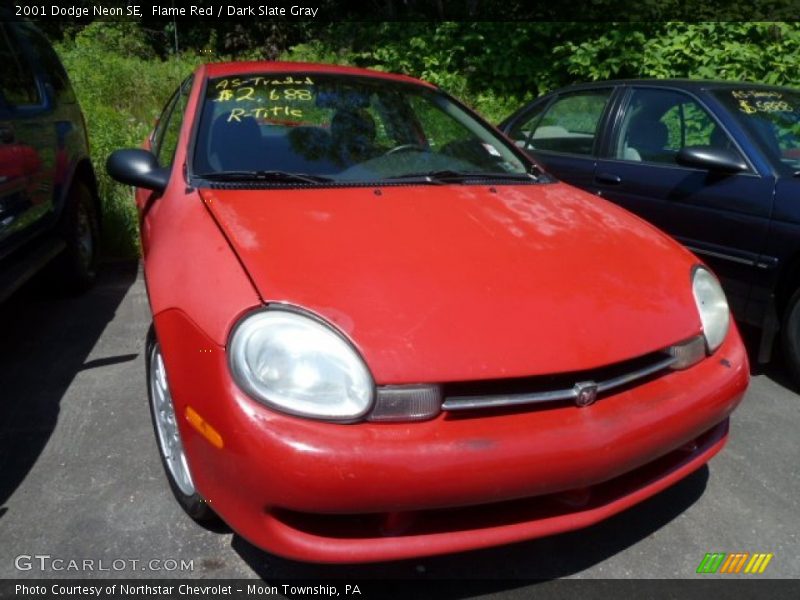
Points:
(454, 283)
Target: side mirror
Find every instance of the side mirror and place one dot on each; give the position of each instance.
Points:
(711, 159)
(138, 168)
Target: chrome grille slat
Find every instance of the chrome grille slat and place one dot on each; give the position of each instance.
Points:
(456, 403)
(615, 382)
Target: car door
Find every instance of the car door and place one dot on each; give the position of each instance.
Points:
(27, 147)
(722, 217)
(562, 133)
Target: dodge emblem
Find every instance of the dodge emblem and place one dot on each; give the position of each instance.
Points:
(585, 393)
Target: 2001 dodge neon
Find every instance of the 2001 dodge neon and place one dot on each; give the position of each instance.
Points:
(380, 331)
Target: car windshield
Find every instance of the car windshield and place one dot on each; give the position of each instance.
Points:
(772, 118)
(318, 128)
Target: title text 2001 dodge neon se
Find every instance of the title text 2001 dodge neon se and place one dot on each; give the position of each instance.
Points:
(380, 331)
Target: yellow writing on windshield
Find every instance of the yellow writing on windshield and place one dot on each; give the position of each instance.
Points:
(751, 107)
(237, 114)
(260, 80)
(766, 101)
(246, 93)
(277, 96)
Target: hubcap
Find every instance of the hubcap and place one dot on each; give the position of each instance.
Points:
(169, 438)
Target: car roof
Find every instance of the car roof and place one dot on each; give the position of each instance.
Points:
(226, 69)
(690, 84)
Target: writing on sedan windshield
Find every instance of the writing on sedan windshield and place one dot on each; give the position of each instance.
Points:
(276, 96)
(754, 101)
(260, 80)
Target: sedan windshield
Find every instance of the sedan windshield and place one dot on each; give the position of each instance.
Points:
(317, 128)
(772, 118)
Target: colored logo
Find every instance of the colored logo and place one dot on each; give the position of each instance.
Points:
(735, 562)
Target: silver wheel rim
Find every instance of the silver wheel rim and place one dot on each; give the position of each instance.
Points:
(85, 239)
(169, 437)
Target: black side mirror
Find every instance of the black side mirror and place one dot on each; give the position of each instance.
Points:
(711, 159)
(138, 168)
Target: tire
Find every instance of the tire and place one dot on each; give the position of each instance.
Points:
(80, 229)
(790, 336)
(168, 440)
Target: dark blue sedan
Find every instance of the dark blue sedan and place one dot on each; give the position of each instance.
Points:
(714, 164)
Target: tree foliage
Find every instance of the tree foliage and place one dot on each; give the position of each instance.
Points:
(124, 72)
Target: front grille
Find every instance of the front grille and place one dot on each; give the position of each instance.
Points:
(564, 387)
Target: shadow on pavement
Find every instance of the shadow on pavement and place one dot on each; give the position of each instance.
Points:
(508, 567)
(45, 341)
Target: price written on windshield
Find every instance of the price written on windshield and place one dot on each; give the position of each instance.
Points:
(246, 93)
(768, 106)
(281, 96)
(767, 101)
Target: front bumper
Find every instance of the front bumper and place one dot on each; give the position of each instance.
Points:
(377, 491)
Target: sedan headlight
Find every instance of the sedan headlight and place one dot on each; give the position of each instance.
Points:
(712, 306)
(297, 364)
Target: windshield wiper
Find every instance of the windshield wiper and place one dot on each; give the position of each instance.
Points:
(448, 176)
(269, 176)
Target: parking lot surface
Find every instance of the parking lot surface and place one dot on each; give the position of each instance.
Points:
(80, 477)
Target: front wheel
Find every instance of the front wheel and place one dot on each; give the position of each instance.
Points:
(81, 233)
(168, 437)
(790, 336)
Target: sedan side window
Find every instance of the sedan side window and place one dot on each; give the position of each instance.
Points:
(659, 123)
(165, 138)
(18, 86)
(522, 132)
(568, 125)
(49, 61)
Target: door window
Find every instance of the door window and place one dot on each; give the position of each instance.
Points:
(165, 138)
(569, 124)
(17, 85)
(48, 61)
(659, 123)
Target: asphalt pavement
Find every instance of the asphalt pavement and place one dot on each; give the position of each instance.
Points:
(80, 477)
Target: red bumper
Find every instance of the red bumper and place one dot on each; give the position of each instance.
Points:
(369, 492)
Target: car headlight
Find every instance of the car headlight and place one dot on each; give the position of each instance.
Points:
(297, 364)
(712, 306)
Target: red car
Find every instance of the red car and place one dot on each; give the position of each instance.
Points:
(381, 332)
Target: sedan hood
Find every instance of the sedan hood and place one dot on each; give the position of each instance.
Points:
(453, 283)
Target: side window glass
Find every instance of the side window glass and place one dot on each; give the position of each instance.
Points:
(161, 124)
(570, 123)
(659, 123)
(522, 132)
(17, 85)
(49, 61)
(166, 150)
(165, 136)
